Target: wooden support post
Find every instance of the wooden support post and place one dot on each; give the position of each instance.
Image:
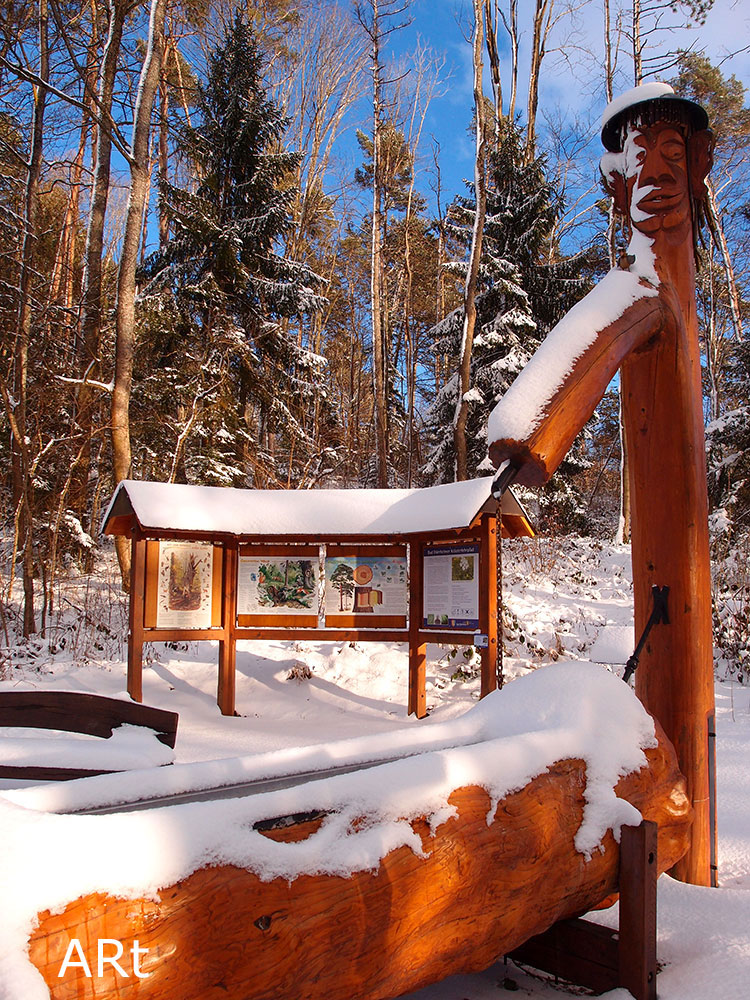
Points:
(638, 873)
(599, 958)
(499, 592)
(488, 601)
(225, 697)
(135, 617)
(417, 648)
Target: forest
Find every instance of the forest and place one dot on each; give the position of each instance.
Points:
(234, 251)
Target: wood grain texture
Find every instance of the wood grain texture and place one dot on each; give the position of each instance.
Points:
(480, 892)
(663, 420)
(656, 343)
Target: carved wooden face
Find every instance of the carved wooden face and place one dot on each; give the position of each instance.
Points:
(657, 179)
(652, 179)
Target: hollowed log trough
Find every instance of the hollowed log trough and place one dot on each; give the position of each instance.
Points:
(480, 890)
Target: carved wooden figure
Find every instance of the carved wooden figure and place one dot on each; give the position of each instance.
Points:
(642, 320)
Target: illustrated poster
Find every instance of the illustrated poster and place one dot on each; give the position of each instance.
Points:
(367, 585)
(269, 585)
(184, 585)
(451, 587)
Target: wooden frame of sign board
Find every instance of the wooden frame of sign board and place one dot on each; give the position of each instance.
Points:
(227, 627)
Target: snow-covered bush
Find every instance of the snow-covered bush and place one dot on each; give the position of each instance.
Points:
(731, 600)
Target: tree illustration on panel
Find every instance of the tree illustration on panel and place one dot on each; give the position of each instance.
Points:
(184, 583)
(343, 578)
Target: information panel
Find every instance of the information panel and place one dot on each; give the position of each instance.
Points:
(185, 582)
(451, 587)
(276, 585)
(366, 585)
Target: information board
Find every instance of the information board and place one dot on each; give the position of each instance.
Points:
(451, 587)
(366, 585)
(276, 585)
(184, 585)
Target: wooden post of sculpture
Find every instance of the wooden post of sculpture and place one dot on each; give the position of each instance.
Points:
(643, 317)
(663, 411)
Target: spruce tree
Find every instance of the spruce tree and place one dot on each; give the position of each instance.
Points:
(525, 288)
(222, 282)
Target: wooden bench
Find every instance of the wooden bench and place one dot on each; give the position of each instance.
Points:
(73, 712)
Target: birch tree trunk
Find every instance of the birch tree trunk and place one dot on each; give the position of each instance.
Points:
(623, 524)
(513, 32)
(470, 288)
(140, 165)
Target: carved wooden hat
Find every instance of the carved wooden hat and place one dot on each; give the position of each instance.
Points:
(649, 103)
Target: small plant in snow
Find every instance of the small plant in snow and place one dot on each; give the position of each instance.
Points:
(299, 672)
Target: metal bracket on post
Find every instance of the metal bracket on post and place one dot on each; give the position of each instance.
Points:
(503, 479)
(659, 616)
(712, 798)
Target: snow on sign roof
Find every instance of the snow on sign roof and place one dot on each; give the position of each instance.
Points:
(215, 510)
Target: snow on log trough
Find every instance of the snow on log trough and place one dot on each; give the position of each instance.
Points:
(369, 884)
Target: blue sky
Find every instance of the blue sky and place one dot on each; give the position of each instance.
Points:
(572, 89)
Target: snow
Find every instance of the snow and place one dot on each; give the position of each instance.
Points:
(128, 747)
(614, 644)
(644, 92)
(217, 510)
(566, 602)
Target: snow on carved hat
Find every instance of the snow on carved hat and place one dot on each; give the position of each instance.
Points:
(649, 103)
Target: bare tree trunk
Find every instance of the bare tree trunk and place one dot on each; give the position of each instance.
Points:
(91, 320)
(21, 465)
(713, 345)
(490, 17)
(608, 67)
(62, 280)
(623, 526)
(470, 288)
(379, 345)
(139, 183)
(637, 44)
(512, 27)
(163, 148)
(717, 230)
(537, 54)
(609, 70)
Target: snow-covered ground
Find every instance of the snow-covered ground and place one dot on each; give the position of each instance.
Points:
(565, 600)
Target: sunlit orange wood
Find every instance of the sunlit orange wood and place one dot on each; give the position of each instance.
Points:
(538, 456)
(662, 407)
(656, 344)
(480, 891)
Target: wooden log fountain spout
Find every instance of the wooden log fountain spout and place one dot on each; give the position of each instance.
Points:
(642, 320)
(468, 881)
